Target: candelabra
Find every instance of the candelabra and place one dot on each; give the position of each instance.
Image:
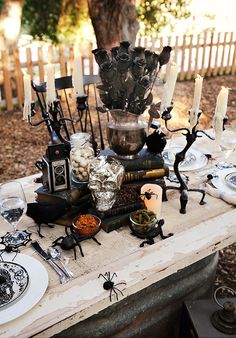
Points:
(191, 135)
(55, 120)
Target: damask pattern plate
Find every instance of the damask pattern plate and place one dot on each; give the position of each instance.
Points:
(224, 180)
(14, 280)
(194, 159)
(38, 282)
(231, 180)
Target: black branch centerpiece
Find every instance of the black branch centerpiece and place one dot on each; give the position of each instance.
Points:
(127, 79)
(191, 134)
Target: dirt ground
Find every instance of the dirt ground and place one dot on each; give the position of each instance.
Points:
(22, 145)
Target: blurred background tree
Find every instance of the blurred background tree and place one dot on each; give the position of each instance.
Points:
(63, 21)
(157, 14)
(10, 22)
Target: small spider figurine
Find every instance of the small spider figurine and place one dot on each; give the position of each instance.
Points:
(148, 194)
(110, 285)
(8, 249)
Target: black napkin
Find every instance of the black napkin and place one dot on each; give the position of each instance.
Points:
(44, 213)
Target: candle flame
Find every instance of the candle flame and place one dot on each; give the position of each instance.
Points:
(198, 77)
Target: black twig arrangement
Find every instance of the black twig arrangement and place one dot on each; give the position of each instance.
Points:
(128, 76)
(110, 285)
(191, 136)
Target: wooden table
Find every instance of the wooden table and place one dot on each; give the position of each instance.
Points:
(201, 232)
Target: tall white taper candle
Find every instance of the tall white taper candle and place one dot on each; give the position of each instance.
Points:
(220, 112)
(169, 86)
(51, 90)
(221, 102)
(196, 101)
(77, 77)
(28, 97)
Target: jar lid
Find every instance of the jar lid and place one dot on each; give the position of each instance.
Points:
(80, 138)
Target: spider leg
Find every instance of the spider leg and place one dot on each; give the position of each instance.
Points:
(56, 242)
(15, 255)
(120, 283)
(102, 276)
(114, 275)
(110, 295)
(107, 274)
(78, 243)
(114, 288)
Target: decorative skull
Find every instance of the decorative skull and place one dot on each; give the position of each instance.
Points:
(105, 178)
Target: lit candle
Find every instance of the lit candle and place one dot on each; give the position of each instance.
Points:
(28, 97)
(169, 86)
(77, 77)
(51, 90)
(196, 101)
(222, 99)
(155, 202)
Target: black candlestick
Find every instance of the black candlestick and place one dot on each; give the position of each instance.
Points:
(191, 136)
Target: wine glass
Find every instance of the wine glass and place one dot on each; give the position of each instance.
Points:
(227, 145)
(12, 207)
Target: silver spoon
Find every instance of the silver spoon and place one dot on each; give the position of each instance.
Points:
(56, 255)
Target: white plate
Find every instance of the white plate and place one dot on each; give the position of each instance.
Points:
(35, 291)
(221, 180)
(231, 180)
(14, 282)
(194, 159)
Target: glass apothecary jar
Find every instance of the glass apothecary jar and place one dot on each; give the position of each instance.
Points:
(81, 155)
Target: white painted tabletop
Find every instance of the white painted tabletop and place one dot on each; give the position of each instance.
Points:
(202, 231)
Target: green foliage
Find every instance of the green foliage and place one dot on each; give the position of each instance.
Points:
(156, 14)
(1, 5)
(41, 18)
(55, 21)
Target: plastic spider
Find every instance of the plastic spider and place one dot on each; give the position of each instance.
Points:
(110, 285)
(72, 239)
(8, 249)
(148, 194)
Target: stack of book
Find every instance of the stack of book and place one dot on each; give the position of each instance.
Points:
(144, 168)
(127, 200)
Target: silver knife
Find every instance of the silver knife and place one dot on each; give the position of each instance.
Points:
(63, 277)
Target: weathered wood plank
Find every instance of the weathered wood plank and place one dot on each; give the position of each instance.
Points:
(190, 47)
(182, 71)
(7, 81)
(41, 64)
(19, 78)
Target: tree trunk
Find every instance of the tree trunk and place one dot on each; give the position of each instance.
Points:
(113, 21)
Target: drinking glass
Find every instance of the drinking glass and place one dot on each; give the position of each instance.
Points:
(12, 207)
(227, 145)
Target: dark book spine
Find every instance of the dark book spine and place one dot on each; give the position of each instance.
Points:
(142, 164)
(121, 210)
(113, 223)
(140, 175)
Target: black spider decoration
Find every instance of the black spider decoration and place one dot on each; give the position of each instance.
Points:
(148, 194)
(110, 285)
(71, 240)
(8, 247)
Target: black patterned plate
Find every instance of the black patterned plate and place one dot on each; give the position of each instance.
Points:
(14, 280)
